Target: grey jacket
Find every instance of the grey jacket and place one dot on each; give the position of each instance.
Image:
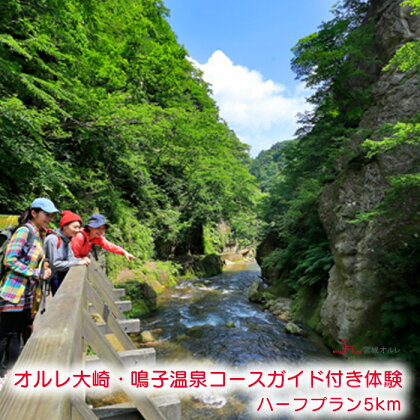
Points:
(60, 259)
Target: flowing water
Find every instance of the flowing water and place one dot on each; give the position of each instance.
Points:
(212, 319)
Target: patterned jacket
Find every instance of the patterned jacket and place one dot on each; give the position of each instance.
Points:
(23, 268)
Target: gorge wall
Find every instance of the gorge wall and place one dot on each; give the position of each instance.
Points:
(355, 291)
(338, 236)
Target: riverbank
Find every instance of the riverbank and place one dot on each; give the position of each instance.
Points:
(145, 281)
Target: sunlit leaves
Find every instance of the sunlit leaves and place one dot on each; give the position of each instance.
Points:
(101, 111)
(402, 133)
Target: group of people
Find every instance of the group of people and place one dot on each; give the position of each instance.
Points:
(35, 254)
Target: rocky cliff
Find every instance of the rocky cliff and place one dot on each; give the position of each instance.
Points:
(355, 290)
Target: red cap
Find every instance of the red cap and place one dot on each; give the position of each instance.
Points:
(67, 217)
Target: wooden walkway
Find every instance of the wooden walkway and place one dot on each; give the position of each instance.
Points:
(60, 338)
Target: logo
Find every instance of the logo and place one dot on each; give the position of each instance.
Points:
(346, 349)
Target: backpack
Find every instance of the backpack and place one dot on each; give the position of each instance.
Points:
(5, 236)
(59, 239)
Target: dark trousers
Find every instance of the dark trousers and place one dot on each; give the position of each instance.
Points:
(56, 280)
(12, 326)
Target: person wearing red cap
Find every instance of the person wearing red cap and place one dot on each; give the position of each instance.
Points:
(58, 250)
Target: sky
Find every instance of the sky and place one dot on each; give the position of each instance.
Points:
(243, 48)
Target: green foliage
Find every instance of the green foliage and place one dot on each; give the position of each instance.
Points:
(215, 239)
(400, 202)
(400, 199)
(335, 60)
(307, 304)
(139, 305)
(27, 165)
(401, 133)
(268, 164)
(341, 62)
(399, 312)
(338, 61)
(398, 261)
(246, 227)
(303, 256)
(101, 111)
(314, 263)
(407, 57)
(415, 4)
(145, 282)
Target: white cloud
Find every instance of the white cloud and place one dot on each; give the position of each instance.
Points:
(262, 112)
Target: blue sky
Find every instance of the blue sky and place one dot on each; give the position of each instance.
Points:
(243, 48)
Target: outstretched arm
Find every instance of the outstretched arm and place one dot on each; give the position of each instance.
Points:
(111, 247)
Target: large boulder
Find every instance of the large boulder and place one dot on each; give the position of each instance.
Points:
(201, 265)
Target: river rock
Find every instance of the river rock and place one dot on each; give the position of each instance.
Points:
(198, 330)
(255, 292)
(232, 257)
(292, 328)
(246, 252)
(279, 306)
(284, 317)
(181, 337)
(147, 336)
(152, 343)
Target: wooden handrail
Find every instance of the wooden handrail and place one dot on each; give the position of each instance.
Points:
(59, 339)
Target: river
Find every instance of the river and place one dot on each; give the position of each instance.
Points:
(212, 319)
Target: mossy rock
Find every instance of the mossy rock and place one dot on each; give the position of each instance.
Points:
(198, 331)
(201, 265)
(292, 328)
(142, 296)
(255, 292)
(307, 304)
(267, 295)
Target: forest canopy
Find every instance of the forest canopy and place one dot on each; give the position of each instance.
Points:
(100, 110)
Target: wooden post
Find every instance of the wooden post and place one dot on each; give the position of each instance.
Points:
(102, 287)
(103, 348)
(108, 317)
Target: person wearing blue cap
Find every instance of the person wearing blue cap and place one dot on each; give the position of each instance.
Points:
(92, 234)
(23, 256)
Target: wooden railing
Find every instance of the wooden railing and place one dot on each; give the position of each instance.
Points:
(59, 338)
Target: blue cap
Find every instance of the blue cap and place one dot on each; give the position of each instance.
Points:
(44, 204)
(97, 220)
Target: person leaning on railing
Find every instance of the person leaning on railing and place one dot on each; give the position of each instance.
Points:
(58, 250)
(92, 234)
(23, 260)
